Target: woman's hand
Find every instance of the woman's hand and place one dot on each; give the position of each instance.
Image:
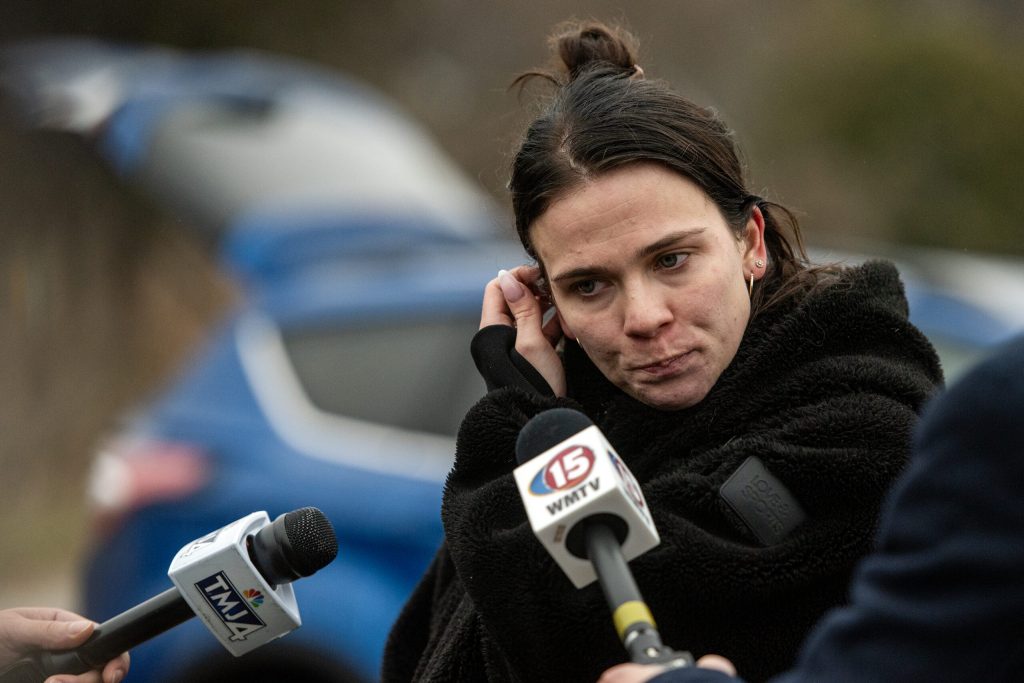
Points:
(512, 299)
(24, 630)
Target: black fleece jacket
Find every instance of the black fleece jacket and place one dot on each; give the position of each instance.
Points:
(825, 391)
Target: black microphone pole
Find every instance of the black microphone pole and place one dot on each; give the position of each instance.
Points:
(630, 614)
(598, 538)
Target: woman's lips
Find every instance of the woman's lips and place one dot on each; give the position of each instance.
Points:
(664, 368)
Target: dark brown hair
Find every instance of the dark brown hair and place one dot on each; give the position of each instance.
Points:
(605, 115)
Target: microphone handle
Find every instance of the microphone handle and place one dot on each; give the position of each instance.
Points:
(633, 620)
(114, 636)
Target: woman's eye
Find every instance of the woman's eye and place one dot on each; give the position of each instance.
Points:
(670, 261)
(587, 287)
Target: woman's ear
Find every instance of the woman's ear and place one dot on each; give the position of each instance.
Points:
(755, 251)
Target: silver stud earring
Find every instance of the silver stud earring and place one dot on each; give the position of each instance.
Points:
(759, 263)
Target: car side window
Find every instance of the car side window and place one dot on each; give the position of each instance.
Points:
(414, 375)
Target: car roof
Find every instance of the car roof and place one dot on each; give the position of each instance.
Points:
(426, 279)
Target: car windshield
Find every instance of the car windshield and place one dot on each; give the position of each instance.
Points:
(415, 375)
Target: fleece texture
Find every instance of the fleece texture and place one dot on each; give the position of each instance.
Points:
(824, 390)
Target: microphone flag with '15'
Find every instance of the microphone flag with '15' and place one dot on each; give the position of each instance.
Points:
(569, 472)
(236, 579)
(588, 511)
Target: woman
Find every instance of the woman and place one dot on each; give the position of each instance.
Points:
(692, 331)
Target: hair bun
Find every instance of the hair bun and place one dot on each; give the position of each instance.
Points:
(581, 45)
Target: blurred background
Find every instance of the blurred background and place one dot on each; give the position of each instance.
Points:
(887, 127)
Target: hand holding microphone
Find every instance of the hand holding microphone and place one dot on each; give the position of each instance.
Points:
(589, 513)
(24, 630)
(236, 579)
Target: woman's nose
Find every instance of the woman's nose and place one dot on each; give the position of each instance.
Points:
(646, 312)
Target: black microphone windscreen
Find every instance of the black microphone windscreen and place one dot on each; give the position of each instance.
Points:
(312, 540)
(547, 429)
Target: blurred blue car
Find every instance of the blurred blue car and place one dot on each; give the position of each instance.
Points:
(341, 378)
(340, 388)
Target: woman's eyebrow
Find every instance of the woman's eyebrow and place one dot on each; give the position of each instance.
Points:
(581, 272)
(668, 241)
(598, 271)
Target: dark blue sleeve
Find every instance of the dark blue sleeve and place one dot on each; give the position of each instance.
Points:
(942, 597)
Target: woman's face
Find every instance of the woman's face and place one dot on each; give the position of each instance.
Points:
(649, 278)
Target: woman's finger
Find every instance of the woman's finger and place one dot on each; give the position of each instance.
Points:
(494, 310)
(531, 342)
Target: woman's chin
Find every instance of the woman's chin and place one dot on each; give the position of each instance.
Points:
(668, 398)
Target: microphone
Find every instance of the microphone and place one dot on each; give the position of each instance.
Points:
(236, 579)
(587, 510)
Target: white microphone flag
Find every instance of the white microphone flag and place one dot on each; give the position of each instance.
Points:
(577, 478)
(219, 581)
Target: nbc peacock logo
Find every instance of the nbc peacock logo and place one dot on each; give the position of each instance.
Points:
(253, 596)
